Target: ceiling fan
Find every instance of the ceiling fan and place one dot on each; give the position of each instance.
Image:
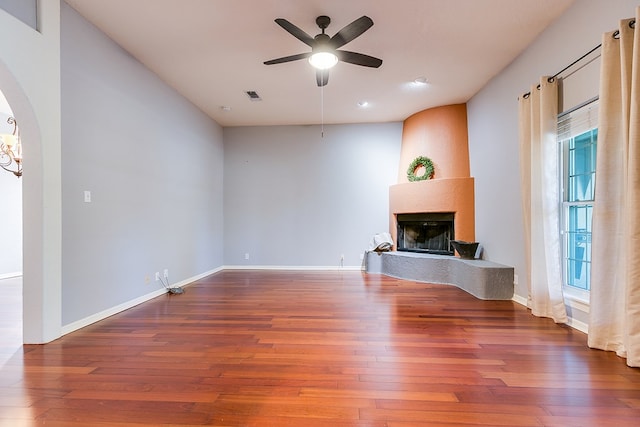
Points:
(324, 49)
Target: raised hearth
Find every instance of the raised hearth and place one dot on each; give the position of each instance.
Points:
(483, 279)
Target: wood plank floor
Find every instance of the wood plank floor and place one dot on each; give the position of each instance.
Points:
(266, 348)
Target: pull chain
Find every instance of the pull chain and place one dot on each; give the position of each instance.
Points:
(322, 111)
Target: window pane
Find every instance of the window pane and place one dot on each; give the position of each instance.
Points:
(581, 167)
(578, 246)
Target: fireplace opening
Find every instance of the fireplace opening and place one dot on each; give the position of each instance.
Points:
(429, 232)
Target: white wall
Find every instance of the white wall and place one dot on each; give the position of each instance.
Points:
(153, 163)
(493, 125)
(30, 80)
(294, 199)
(10, 209)
(10, 225)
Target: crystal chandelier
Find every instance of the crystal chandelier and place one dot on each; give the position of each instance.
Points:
(11, 150)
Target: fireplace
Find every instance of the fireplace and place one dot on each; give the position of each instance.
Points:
(429, 232)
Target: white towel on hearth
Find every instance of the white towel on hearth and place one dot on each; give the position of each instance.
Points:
(381, 242)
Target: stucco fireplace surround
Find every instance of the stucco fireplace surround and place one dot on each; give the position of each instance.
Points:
(440, 134)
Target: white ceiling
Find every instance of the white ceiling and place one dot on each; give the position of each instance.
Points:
(212, 52)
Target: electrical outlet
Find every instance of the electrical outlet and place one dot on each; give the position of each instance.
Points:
(361, 257)
(515, 279)
(341, 257)
(147, 279)
(166, 273)
(246, 255)
(157, 276)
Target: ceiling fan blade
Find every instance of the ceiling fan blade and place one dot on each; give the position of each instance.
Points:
(322, 77)
(351, 31)
(358, 59)
(295, 31)
(288, 58)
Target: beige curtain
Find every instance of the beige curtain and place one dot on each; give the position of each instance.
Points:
(614, 318)
(539, 183)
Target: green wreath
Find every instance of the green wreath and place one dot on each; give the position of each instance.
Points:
(417, 162)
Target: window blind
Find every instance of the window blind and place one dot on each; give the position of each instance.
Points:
(578, 120)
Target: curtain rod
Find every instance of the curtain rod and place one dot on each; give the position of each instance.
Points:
(615, 35)
(574, 62)
(550, 79)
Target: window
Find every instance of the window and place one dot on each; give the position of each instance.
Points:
(577, 137)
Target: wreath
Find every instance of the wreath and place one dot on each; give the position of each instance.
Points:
(426, 163)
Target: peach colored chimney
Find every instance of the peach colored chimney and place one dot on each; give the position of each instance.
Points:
(440, 134)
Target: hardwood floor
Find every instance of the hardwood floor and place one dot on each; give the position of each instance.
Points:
(266, 348)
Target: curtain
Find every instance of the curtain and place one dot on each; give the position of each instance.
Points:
(614, 318)
(540, 195)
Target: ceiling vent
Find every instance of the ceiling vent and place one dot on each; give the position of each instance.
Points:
(253, 95)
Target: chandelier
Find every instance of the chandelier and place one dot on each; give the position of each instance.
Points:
(11, 150)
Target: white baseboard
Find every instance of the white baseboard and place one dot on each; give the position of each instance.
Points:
(294, 267)
(79, 324)
(575, 324)
(520, 300)
(190, 280)
(10, 275)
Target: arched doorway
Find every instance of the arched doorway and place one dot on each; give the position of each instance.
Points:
(41, 234)
(11, 248)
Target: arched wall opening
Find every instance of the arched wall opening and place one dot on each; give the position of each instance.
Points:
(11, 232)
(41, 295)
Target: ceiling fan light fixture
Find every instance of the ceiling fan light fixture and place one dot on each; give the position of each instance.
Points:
(324, 49)
(323, 60)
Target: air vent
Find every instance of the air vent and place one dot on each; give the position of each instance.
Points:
(253, 95)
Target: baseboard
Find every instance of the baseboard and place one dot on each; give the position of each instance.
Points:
(520, 300)
(79, 324)
(190, 280)
(10, 275)
(575, 324)
(294, 267)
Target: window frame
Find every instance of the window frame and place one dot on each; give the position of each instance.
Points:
(567, 131)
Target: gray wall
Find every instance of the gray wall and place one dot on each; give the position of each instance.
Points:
(153, 163)
(493, 124)
(24, 10)
(295, 199)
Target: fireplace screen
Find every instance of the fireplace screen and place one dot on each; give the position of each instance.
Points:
(426, 232)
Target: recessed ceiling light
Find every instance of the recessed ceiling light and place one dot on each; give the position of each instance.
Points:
(421, 81)
(225, 108)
